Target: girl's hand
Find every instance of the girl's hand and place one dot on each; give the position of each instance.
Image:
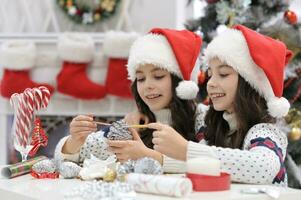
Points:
(132, 149)
(168, 141)
(80, 127)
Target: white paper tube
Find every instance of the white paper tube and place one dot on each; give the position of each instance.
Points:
(203, 165)
(160, 184)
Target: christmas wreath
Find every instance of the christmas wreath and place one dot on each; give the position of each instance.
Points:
(82, 13)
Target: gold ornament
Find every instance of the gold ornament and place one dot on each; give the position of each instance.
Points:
(97, 17)
(69, 3)
(295, 134)
(108, 5)
(110, 175)
(293, 118)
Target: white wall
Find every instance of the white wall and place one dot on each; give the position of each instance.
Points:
(31, 16)
(296, 7)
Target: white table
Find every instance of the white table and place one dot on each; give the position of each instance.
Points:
(26, 187)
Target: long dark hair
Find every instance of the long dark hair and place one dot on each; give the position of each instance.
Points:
(182, 114)
(249, 108)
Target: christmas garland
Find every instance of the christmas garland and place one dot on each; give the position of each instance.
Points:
(83, 14)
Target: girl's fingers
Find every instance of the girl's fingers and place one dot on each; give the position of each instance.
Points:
(117, 143)
(83, 118)
(135, 134)
(79, 132)
(156, 134)
(90, 115)
(156, 141)
(157, 148)
(82, 134)
(80, 129)
(116, 150)
(83, 124)
(156, 126)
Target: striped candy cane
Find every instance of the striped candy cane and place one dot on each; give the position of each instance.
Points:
(46, 96)
(25, 119)
(14, 101)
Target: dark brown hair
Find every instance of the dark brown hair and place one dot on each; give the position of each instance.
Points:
(182, 114)
(249, 108)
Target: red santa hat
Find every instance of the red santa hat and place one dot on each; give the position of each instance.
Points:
(173, 50)
(259, 59)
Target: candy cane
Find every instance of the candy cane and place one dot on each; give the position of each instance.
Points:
(14, 101)
(25, 118)
(46, 96)
(30, 99)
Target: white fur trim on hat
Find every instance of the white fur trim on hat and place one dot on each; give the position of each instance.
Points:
(231, 48)
(76, 47)
(152, 49)
(118, 44)
(18, 54)
(187, 90)
(278, 106)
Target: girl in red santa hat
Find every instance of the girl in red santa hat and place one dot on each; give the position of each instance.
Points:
(163, 69)
(245, 87)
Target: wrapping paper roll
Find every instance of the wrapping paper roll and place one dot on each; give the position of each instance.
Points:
(20, 168)
(160, 184)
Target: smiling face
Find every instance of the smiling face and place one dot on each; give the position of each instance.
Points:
(222, 85)
(154, 86)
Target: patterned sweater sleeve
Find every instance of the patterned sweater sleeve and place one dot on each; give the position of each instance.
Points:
(260, 161)
(95, 144)
(59, 155)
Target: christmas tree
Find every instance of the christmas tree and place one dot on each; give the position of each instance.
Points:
(272, 18)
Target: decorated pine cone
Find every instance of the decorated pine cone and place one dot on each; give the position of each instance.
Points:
(148, 165)
(69, 169)
(44, 166)
(118, 131)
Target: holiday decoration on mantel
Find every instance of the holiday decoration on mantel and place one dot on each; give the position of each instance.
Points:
(116, 48)
(18, 57)
(276, 19)
(77, 52)
(88, 11)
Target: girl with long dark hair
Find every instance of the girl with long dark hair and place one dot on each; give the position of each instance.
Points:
(245, 86)
(163, 69)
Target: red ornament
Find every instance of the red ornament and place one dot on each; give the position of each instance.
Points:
(201, 77)
(290, 17)
(79, 12)
(211, 1)
(206, 101)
